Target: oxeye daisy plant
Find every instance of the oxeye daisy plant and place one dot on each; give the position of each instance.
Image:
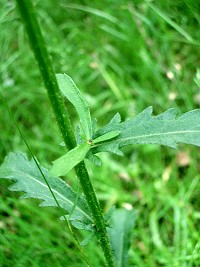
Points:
(83, 211)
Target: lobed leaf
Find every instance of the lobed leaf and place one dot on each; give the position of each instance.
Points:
(165, 129)
(29, 180)
(72, 93)
(93, 158)
(109, 214)
(64, 164)
(121, 225)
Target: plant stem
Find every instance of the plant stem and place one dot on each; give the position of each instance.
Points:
(45, 65)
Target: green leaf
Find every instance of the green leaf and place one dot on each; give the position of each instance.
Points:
(72, 93)
(106, 136)
(29, 180)
(121, 225)
(78, 135)
(65, 163)
(87, 239)
(94, 124)
(108, 215)
(93, 158)
(165, 129)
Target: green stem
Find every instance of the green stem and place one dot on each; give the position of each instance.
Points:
(44, 62)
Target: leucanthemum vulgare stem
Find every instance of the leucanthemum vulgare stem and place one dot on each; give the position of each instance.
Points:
(45, 65)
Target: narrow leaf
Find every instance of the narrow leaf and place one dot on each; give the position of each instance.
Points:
(65, 163)
(29, 180)
(72, 93)
(106, 136)
(121, 225)
(78, 135)
(165, 129)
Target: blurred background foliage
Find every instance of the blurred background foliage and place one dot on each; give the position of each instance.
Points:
(123, 56)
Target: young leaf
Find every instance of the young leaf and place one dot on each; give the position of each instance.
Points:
(106, 136)
(65, 163)
(29, 180)
(78, 135)
(121, 225)
(94, 124)
(72, 93)
(164, 129)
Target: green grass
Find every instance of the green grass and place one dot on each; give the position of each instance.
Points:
(121, 58)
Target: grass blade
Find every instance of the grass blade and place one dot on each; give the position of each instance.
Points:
(171, 23)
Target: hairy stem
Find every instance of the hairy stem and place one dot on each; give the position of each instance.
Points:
(45, 65)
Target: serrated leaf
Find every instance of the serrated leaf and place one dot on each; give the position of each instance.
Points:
(121, 225)
(93, 158)
(72, 93)
(29, 180)
(80, 224)
(165, 129)
(108, 215)
(64, 164)
(87, 239)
